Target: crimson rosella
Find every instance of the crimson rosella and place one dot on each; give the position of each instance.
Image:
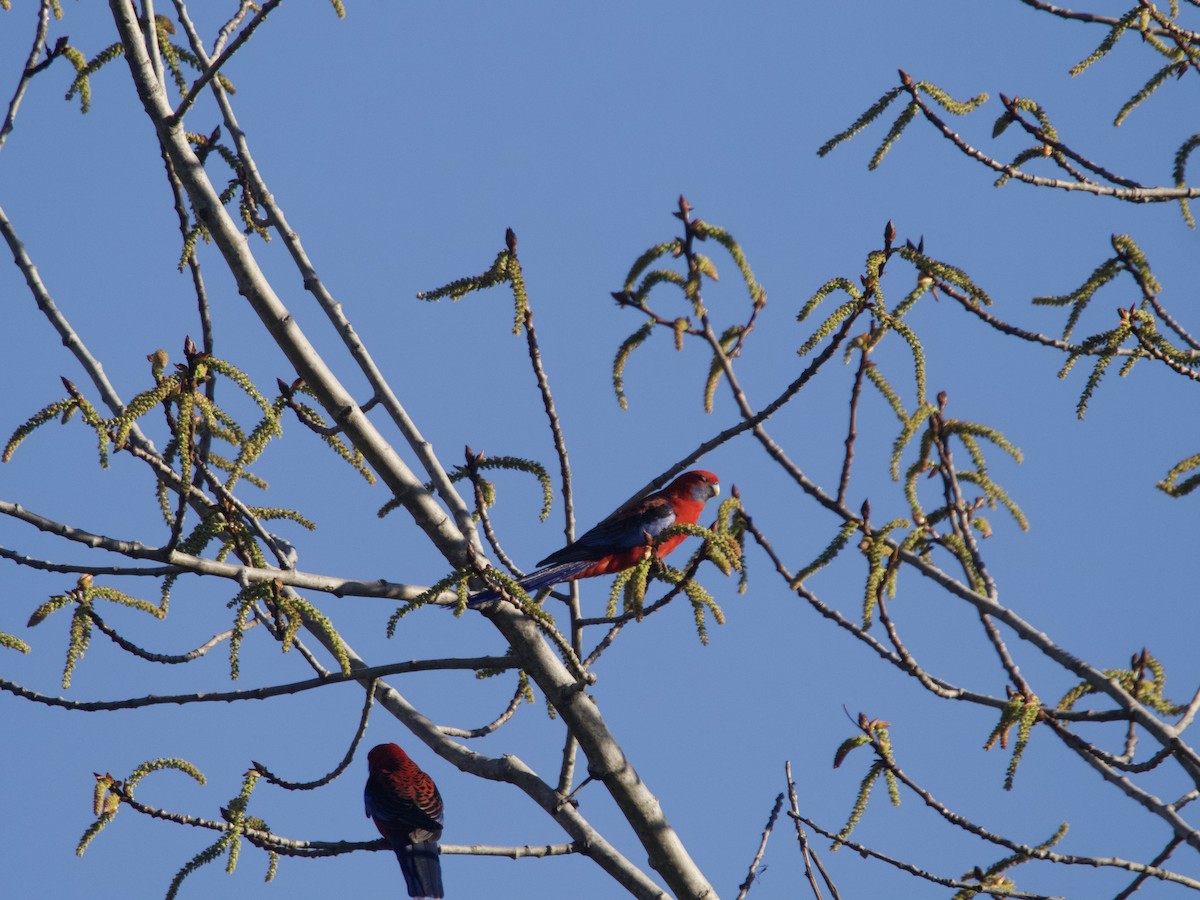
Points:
(619, 541)
(407, 809)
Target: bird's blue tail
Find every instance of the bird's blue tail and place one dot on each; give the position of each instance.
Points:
(422, 868)
(535, 581)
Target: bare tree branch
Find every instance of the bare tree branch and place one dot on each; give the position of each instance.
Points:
(808, 854)
(762, 848)
(212, 68)
(31, 67)
(295, 687)
(916, 871)
(1133, 193)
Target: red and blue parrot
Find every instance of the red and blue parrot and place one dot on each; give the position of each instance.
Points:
(619, 541)
(407, 809)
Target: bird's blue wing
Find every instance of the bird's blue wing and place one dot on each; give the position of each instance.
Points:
(625, 528)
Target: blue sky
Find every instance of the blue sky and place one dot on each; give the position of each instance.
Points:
(401, 142)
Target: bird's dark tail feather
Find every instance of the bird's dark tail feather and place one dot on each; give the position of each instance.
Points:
(422, 869)
(535, 581)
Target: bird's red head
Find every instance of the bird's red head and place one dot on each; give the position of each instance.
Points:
(696, 486)
(386, 757)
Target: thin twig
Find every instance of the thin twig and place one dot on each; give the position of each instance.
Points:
(1162, 313)
(1153, 350)
(1143, 877)
(852, 433)
(269, 623)
(762, 848)
(1185, 40)
(940, 687)
(915, 871)
(1189, 714)
(30, 69)
(46, 565)
(570, 745)
(294, 687)
(485, 520)
(1164, 811)
(555, 424)
(676, 589)
(244, 7)
(1006, 328)
(212, 68)
(910, 663)
(961, 822)
(341, 767)
(495, 724)
(604, 644)
(167, 659)
(1035, 131)
(1063, 13)
(69, 336)
(1131, 194)
(752, 421)
(807, 853)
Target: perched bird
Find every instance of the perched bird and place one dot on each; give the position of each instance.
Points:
(619, 541)
(407, 809)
